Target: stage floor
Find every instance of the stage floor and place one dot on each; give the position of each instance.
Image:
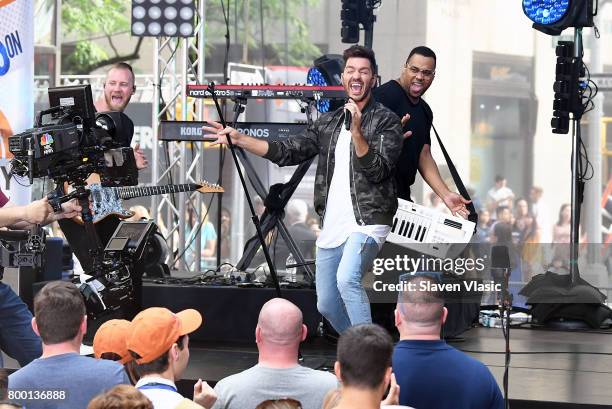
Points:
(548, 368)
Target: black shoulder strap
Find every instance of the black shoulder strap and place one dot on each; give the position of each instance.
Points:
(473, 216)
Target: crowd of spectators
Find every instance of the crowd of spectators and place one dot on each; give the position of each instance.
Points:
(538, 241)
(138, 363)
(528, 217)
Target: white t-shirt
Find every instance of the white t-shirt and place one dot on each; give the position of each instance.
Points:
(502, 196)
(339, 220)
(542, 216)
(247, 389)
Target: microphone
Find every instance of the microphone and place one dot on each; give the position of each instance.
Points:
(347, 119)
(500, 260)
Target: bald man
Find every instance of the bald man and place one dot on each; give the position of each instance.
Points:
(277, 374)
(424, 365)
(119, 87)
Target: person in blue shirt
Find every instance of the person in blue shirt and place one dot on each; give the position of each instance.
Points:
(61, 378)
(429, 372)
(17, 339)
(208, 239)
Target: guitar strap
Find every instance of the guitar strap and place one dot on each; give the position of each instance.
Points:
(473, 216)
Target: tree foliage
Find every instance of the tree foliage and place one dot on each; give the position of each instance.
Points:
(90, 20)
(300, 50)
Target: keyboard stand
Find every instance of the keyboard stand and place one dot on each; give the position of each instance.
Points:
(272, 218)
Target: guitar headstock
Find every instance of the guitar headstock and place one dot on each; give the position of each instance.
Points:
(207, 187)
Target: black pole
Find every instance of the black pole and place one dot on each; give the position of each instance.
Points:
(220, 208)
(369, 35)
(506, 309)
(576, 195)
(237, 110)
(368, 25)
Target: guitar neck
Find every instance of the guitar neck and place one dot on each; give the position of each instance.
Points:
(132, 192)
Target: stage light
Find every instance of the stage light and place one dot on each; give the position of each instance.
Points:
(139, 12)
(163, 18)
(170, 29)
(170, 13)
(315, 77)
(349, 15)
(326, 71)
(545, 11)
(354, 15)
(553, 16)
(568, 72)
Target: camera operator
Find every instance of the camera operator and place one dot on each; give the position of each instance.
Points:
(37, 212)
(17, 338)
(119, 87)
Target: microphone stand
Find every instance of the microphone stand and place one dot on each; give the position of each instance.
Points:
(500, 259)
(506, 309)
(237, 111)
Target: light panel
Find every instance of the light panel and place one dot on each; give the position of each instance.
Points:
(315, 77)
(163, 18)
(545, 11)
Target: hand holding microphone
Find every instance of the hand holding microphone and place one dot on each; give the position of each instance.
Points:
(352, 122)
(348, 117)
(351, 114)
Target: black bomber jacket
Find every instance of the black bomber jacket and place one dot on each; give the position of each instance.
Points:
(373, 191)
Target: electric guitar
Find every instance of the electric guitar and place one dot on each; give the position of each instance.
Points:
(106, 201)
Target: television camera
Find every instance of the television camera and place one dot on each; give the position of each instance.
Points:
(115, 289)
(22, 248)
(69, 142)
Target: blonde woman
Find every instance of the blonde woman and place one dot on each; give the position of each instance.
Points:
(121, 397)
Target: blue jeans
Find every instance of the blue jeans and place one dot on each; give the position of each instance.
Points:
(340, 296)
(17, 338)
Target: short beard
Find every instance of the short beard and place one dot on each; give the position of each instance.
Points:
(109, 103)
(365, 95)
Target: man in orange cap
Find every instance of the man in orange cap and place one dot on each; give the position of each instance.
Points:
(159, 344)
(110, 342)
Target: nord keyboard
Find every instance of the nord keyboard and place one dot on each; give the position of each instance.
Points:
(268, 91)
(429, 231)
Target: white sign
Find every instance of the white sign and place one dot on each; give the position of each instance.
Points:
(16, 73)
(603, 81)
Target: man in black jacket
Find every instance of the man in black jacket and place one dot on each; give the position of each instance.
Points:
(354, 186)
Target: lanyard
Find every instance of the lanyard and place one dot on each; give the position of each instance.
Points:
(156, 385)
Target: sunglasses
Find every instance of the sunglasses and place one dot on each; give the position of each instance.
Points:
(416, 70)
